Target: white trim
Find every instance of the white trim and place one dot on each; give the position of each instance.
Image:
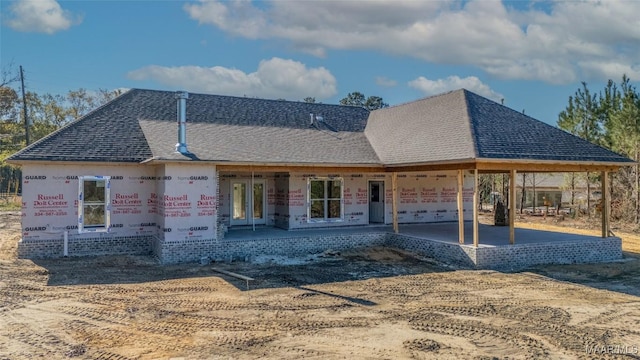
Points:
(383, 200)
(249, 188)
(326, 219)
(107, 199)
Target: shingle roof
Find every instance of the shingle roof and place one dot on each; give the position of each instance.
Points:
(461, 125)
(112, 132)
(428, 130)
(455, 126)
(503, 133)
(263, 144)
(109, 133)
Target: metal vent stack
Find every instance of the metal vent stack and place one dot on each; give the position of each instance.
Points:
(181, 146)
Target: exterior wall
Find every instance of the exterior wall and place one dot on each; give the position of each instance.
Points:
(49, 208)
(422, 198)
(513, 257)
(281, 207)
(171, 211)
(187, 212)
(100, 245)
(153, 209)
(187, 206)
(355, 200)
(431, 197)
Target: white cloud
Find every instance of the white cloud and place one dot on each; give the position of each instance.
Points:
(238, 16)
(45, 16)
(274, 78)
(471, 83)
(566, 41)
(385, 82)
(612, 69)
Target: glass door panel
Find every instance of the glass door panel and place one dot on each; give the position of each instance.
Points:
(239, 203)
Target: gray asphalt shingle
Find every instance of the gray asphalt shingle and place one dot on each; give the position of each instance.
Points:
(427, 130)
(262, 144)
(503, 133)
(454, 126)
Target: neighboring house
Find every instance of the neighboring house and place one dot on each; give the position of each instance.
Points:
(555, 189)
(115, 181)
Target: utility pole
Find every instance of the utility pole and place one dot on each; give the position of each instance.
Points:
(24, 107)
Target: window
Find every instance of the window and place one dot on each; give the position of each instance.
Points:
(325, 199)
(94, 211)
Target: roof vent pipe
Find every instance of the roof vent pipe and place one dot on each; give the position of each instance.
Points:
(181, 146)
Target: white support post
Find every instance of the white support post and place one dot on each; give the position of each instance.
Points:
(604, 204)
(476, 201)
(253, 218)
(65, 243)
(512, 207)
(394, 201)
(460, 208)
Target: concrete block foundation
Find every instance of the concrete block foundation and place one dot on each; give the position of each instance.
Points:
(514, 257)
(101, 245)
(503, 257)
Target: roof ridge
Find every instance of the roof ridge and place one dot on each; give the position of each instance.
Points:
(255, 98)
(472, 128)
(422, 99)
(245, 125)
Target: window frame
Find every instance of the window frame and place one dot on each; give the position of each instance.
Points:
(106, 226)
(325, 199)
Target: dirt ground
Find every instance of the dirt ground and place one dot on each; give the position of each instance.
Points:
(371, 304)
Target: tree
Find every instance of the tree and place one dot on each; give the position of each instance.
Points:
(375, 102)
(623, 127)
(8, 103)
(357, 98)
(81, 103)
(610, 119)
(582, 118)
(8, 76)
(104, 96)
(310, 100)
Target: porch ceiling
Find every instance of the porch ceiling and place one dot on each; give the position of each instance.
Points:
(483, 166)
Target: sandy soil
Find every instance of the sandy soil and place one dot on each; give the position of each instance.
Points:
(371, 304)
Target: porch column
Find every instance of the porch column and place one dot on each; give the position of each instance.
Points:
(476, 240)
(460, 208)
(604, 204)
(253, 218)
(394, 201)
(512, 207)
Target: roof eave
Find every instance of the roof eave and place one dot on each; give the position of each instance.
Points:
(533, 165)
(69, 162)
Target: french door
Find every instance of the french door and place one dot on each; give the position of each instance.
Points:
(248, 202)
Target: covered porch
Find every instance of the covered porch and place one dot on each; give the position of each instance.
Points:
(437, 240)
(469, 230)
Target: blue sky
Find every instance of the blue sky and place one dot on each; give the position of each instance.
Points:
(532, 54)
